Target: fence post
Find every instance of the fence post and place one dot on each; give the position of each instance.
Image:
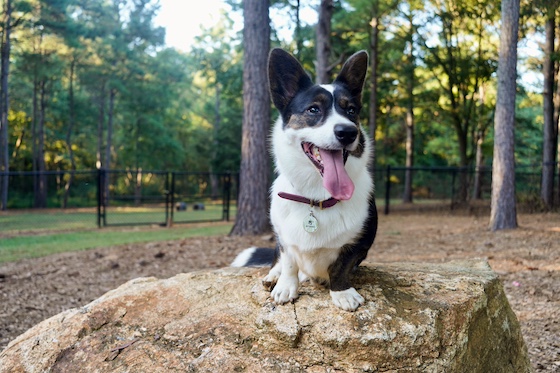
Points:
(100, 210)
(172, 198)
(168, 214)
(226, 197)
(387, 189)
(453, 177)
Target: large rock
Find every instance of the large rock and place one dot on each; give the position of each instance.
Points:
(450, 317)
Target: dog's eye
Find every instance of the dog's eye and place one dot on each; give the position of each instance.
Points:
(313, 110)
(351, 111)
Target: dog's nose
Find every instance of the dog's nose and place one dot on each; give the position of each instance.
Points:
(346, 134)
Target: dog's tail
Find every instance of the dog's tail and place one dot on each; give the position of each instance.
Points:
(254, 257)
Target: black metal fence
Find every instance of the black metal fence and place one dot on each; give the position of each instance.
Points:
(454, 187)
(61, 200)
(84, 199)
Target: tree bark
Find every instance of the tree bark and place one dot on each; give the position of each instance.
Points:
(374, 46)
(409, 161)
(109, 142)
(41, 196)
(480, 134)
(503, 214)
(550, 136)
(5, 103)
(71, 120)
(252, 203)
(323, 35)
(298, 36)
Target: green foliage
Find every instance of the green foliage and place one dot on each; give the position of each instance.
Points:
(183, 111)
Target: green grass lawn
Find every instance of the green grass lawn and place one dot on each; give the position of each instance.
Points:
(18, 247)
(78, 219)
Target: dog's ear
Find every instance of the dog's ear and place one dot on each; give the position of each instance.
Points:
(286, 77)
(353, 73)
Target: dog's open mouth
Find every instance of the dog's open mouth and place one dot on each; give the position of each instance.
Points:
(330, 164)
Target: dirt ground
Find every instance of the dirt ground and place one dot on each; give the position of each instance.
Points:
(527, 260)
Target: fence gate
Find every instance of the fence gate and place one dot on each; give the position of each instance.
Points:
(137, 197)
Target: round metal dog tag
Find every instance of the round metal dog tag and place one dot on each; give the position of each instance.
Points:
(310, 223)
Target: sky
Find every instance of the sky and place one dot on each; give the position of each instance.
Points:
(185, 19)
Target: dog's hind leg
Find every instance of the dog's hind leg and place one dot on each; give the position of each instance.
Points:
(342, 293)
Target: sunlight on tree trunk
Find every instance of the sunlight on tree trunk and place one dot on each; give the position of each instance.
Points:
(252, 203)
(550, 137)
(503, 213)
(374, 61)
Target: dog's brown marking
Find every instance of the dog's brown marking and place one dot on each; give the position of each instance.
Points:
(359, 151)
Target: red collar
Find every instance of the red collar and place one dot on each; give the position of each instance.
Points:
(324, 204)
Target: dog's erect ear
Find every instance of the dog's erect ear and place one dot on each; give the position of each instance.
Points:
(286, 77)
(353, 73)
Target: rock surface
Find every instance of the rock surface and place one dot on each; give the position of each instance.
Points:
(451, 317)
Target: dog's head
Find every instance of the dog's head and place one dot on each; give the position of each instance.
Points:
(323, 120)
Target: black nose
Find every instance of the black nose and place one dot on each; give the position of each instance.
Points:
(345, 133)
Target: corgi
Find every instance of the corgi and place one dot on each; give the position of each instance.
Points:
(322, 208)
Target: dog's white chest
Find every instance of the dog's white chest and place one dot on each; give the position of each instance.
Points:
(312, 228)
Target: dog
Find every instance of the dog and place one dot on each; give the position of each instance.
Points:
(322, 202)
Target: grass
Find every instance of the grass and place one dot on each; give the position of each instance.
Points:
(20, 222)
(33, 246)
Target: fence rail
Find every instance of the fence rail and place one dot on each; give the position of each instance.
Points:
(117, 198)
(98, 198)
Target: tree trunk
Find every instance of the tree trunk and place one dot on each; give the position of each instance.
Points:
(252, 203)
(323, 35)
(138, 188)
(41, 196)
(480, 133)
(109, 142)
(100, 124)
(557, 123)
(409, 162)
(374, 45)
(71, 119)
(5, 103)
(298, 36)
(549, 126)
(214, 182)
(503, 214)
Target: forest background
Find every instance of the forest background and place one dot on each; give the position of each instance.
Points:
(90, 84)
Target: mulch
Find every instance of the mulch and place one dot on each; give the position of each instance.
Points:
(527, 260)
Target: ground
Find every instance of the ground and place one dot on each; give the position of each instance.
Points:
(527, 260)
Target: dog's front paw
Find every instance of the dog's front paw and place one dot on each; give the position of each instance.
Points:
(348, 299)
(286, 290)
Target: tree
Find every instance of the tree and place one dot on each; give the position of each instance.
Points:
(4, 100)
(461, 60)
(252, 202)
(550, 127)
(409, 120)
(323, 47)
(503, 214)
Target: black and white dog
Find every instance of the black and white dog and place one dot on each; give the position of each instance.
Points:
(323, 209)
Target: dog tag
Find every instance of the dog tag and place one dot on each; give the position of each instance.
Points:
(310, 223)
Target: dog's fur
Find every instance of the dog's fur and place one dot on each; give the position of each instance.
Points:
(326, 116)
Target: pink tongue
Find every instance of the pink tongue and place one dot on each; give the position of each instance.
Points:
(335, 178)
